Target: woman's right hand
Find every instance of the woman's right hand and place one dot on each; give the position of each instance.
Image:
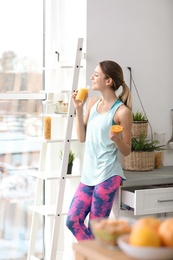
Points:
(78, 104)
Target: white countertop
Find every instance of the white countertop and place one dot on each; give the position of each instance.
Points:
(157, 176)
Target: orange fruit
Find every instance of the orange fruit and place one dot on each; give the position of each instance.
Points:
(166, 232)
(144, 236)
(148, 221)
(145, 232)
(116, 129)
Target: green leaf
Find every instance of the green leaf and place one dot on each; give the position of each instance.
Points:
(142, 144)
(139, 116)
(71, 157)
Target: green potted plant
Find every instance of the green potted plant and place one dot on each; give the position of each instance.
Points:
(143, 145)
(139, 116)
(140, 125)
(71, 159)
(142, 156)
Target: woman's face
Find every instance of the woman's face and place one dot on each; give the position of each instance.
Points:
(98, 79)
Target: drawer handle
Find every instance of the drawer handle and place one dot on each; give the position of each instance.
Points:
(165, 200)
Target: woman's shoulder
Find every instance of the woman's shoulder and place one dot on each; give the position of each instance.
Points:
(124, 109)
(123, 113)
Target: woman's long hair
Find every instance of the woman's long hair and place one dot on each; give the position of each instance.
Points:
(113, 70)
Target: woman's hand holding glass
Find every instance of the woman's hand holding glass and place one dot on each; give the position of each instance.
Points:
(78, 103)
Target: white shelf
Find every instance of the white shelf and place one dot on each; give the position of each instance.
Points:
(53, 91)
(46, 210)
(23, 95)
(69, 67)
(34, 257)
(61, 66)
(43, 140)
(58, 140)
(71, 176)
(42, 175)
(52, 175)
(56, 115)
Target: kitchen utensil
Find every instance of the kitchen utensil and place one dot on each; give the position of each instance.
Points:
(170, 142)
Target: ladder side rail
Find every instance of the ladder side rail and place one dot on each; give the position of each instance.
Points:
(38, 200)
(67, 143)
(77, 64)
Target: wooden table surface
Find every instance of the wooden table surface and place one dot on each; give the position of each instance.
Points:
(91, 250)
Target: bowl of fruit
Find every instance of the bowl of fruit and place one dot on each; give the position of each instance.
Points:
(106, 230)
(150, 239)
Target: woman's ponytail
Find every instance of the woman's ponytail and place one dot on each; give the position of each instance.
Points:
(125, 96)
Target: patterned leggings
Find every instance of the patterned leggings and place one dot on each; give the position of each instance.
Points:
(96, 200)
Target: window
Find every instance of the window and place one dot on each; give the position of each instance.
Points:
(21, 50)
(21, 83)
(30, 35)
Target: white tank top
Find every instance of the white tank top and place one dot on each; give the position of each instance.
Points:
(100, 157)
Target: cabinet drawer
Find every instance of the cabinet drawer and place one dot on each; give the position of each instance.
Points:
(148, 200)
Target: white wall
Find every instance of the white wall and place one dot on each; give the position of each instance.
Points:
(137, 34)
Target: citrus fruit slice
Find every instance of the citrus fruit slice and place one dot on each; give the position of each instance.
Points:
(116, 129)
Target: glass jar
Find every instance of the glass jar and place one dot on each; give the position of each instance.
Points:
(48, 109)
(158, 159)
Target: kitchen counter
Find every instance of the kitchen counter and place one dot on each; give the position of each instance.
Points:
(157, 176)
(143, 191)
(91, 250)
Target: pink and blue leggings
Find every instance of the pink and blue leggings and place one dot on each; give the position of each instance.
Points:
(96, 201)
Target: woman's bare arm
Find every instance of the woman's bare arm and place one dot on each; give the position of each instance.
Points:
(123, 117)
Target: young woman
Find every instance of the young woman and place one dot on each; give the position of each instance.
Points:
(102, 173)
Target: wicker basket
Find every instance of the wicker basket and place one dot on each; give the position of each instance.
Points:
(139, 128)
(139, 161)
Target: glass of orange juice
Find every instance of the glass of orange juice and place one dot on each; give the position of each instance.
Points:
(82, 92)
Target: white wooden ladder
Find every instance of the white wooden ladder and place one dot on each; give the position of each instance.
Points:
(56, 210)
